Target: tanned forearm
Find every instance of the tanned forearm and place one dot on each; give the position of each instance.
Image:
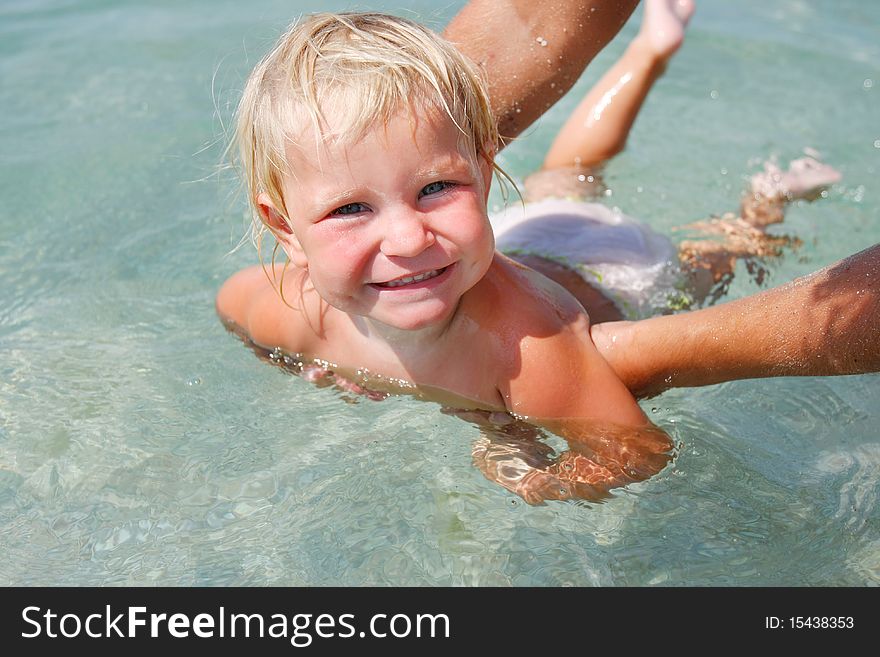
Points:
(533, 52)
(827, 323)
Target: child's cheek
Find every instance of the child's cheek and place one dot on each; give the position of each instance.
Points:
(339, 247)
(348, 261)
(478, 228)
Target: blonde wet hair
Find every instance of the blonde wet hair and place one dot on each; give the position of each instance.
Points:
(361, 69)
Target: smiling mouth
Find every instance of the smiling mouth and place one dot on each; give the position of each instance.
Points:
(409, 280)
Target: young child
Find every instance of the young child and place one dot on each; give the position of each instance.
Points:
(367, 144)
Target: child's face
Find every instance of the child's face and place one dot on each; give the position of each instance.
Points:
(393, 227)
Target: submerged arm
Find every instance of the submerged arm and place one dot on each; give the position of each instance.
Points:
(600, 456)
(827, 323)
(563, 385)
(533, 52)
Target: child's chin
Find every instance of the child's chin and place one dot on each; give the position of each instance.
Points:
(419, 320)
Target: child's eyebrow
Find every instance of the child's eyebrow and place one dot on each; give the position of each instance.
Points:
(457, 164)
(320, 204)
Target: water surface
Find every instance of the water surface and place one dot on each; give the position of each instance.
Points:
(142, 444)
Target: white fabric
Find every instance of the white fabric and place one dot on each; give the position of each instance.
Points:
(628, 261)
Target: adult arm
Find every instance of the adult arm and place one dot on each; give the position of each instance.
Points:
(827, 323)
(533, 52)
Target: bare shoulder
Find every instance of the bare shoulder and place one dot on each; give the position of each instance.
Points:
(250, 300)
(532, 299)
(552, 368)
(520, 304)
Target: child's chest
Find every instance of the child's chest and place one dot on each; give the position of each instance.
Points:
(461, 369)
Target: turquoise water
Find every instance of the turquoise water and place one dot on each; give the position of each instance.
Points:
(142, 444)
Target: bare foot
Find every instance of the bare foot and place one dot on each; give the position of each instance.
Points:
(805, 179)
(764, 203)
(663, 25)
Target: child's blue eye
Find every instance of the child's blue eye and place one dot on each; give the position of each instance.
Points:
(350, 208)
(436, 187)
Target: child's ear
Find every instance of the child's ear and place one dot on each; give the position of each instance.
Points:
(281, 230)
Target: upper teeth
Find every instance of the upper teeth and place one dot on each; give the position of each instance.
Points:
(406, 280)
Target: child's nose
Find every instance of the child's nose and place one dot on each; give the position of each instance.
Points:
(406, 235)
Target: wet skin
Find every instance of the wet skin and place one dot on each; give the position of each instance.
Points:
(394, 272)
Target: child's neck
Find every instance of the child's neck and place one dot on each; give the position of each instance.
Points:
(408, 346)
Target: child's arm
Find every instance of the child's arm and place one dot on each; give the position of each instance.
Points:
(513, 455)
(561, 375)
(827, 323)
(250, 301)
(534, 52)
(561, 383)
(543, 362)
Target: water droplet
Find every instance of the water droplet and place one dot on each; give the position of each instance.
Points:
(542, 41)
(194, 382)
(877, 143)
(590, 179)
(723, 171)
(582, 178)
(654, 409)
(713, 94)
(868, 83)
(608, 192)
